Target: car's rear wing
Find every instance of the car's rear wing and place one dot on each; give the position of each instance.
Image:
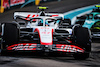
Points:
(28, 15)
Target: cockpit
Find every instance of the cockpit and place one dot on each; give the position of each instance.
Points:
(43, 21)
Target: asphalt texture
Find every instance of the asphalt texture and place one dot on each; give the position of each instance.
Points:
(31, 60)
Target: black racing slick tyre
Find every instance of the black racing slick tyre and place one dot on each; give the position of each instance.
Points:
(10, 34)
(83, 40)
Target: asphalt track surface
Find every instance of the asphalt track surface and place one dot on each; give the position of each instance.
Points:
(32, 60)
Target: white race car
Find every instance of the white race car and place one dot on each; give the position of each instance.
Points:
(47, 32)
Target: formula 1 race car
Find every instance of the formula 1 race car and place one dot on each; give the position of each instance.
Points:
(91, 21)
(47, 33)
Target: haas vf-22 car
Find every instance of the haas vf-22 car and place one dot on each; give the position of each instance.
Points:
(47, 32)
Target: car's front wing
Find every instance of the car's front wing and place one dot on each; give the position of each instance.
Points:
(54, 47)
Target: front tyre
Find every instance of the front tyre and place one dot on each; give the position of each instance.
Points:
(10, 35)
(83, 40)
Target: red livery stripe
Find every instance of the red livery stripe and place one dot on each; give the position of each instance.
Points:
(28, 17)
(23, 46)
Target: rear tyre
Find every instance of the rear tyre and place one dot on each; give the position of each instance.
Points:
(82, 38)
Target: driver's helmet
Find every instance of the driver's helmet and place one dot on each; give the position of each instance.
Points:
(40, 23)
(46, 23)
(90, 16)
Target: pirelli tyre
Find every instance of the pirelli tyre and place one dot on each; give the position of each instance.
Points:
(10, 35)
(83, 40)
